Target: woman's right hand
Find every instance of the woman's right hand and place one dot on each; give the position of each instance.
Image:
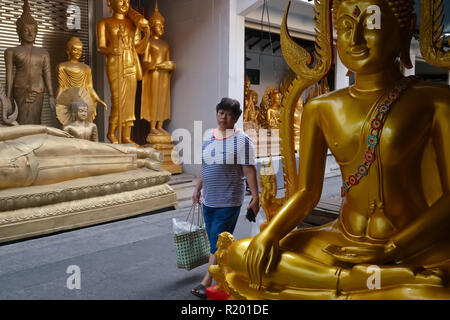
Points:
(196, 197)
(261, 257)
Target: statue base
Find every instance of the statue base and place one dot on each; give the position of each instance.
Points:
(164, 144)
(39, 210)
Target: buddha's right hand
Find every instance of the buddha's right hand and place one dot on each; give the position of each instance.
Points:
(261, 257)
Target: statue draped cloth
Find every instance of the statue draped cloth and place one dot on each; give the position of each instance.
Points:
(156, 83)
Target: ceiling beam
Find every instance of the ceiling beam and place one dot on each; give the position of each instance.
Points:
(244, 7)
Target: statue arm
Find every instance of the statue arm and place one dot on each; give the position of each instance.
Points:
(90, 87)
(9, 62)
(263, 251)
(142, 26)
(9, 133)
(94, 136)
(102, 44)
(48, 74)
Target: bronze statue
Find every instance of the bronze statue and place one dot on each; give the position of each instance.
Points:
(74, 73)
(120, 39)
(158, 69)
(26, 85)
(390, 136)
(79, 126)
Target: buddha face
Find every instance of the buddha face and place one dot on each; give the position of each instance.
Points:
(275, 96)
(363, 49)
(119, 6)
(158, 28)
(28, 33)
(81, 113)
(75, 51)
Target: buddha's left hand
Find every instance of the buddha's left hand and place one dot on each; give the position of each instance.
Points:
(363, 254)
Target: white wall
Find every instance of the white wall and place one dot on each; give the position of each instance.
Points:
(209, 61)
(272, 70)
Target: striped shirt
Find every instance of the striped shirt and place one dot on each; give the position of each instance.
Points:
(222, 175)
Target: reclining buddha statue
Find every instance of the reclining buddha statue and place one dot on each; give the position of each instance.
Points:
(390, 135)
(51, 181)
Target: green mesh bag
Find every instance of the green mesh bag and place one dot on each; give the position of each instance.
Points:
(192, 246)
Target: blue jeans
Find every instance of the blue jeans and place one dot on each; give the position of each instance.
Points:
(218, 220)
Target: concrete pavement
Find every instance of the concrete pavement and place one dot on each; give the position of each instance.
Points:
(128, 259)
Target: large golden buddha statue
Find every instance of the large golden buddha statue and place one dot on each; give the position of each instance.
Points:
(120, 39)
(158, 69)
(390, 136)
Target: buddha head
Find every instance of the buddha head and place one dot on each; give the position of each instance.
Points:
(79, 110)
(275, 98)
(74, 49)
(119, 6)
(373, 34)
(26, 26)
(157, 22)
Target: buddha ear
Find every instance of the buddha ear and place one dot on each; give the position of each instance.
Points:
(405, 55)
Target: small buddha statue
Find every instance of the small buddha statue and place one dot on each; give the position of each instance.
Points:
(80, 127)
(390, 137)
(158, 69)
(119, 39)
(28, 71)
(74, 73)
(269, 111)
(274, 110)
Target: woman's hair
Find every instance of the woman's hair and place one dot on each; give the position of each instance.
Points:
(230, 104)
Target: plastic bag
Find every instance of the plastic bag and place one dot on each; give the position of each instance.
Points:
(182, 226)
(259, 220)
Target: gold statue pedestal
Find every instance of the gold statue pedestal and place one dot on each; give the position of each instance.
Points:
(38, 210)
(164, 144)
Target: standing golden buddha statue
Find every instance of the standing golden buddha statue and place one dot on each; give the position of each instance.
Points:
(390, 136)
(28, 71)
(158, 69)
(156, 106)
(74, 73)
(120, 38)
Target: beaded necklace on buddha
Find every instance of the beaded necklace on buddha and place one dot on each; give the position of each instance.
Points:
(373, 139)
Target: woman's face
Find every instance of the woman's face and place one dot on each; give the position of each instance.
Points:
(364, 46)
(225, 119)
(120, 6)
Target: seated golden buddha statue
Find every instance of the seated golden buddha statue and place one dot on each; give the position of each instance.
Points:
(74, 73)
(391, 138)
(269, 115)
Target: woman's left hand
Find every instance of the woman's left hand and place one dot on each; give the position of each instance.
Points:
(254, 205)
